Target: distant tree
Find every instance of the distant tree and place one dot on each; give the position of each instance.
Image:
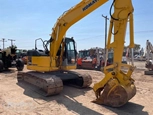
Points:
(137, 47)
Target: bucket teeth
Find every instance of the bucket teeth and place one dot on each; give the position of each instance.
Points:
(98, 92)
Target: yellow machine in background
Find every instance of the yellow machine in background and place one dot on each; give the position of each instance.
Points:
(53, 67)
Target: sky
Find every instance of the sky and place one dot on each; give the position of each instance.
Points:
(26, 20)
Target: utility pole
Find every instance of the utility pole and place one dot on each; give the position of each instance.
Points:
(105, 30)
(11, 41)
(3, 40)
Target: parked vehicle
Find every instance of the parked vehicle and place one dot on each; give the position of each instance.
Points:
(8, 59)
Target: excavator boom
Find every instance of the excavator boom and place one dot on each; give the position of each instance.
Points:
(69, 18)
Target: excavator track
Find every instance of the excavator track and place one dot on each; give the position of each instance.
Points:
(41, 83)
(81, 80)
(51, 83)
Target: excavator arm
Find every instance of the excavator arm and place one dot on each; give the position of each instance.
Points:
(117, 87)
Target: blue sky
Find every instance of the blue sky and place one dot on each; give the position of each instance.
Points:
(27, 20)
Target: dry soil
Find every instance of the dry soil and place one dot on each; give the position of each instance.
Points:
(17, 100)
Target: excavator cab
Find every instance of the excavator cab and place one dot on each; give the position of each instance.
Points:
(70, 53)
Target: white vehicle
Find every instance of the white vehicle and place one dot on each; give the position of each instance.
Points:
(124, 59)
(110, 57)
(149, 58)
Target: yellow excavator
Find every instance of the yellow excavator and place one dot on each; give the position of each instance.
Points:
(50, 69)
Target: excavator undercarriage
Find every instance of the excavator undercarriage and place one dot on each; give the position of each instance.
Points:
(51, 83)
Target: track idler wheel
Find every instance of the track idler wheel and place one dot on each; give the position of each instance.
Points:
(115, 94)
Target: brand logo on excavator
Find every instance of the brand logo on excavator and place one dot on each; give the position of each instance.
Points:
(90, 4)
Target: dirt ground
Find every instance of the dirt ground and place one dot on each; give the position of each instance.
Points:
(16, 100)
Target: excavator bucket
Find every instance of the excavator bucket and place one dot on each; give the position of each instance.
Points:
(114, 94)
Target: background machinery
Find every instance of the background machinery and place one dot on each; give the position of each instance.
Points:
(149, 58)
(8, 59)
(81, 55)
(53, 68)
(22, 54)
(92, 58)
